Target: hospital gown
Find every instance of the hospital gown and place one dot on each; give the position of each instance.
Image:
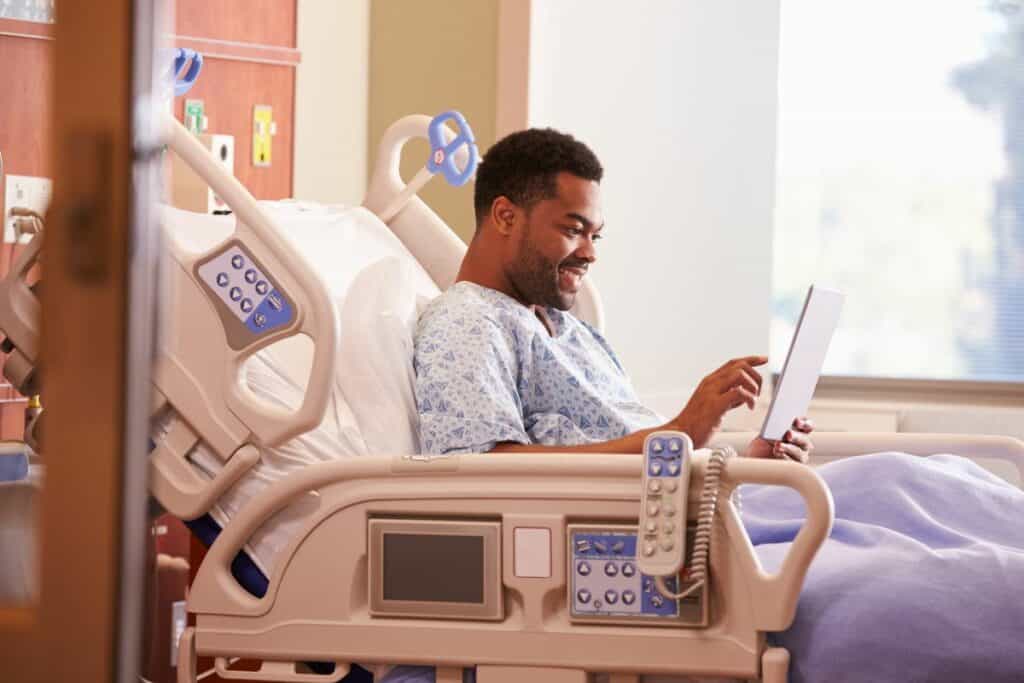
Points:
(488, 371)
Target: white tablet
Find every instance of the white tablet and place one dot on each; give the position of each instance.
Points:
(806, 355)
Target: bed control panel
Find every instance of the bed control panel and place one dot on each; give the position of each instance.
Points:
(605, 583)
(246, 293)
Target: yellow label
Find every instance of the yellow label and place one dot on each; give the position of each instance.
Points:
(262, 120)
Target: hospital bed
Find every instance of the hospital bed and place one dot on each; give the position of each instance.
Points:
(452, 562)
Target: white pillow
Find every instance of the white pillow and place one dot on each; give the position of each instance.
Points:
(378, 321)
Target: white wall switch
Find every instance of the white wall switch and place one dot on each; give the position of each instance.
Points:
(26, 192)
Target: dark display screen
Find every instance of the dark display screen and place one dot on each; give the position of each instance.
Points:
(433, 568)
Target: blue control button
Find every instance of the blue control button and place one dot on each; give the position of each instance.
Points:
(246, 305)
(235, 294)
(589, 544)
(583, 568)
(237, 261)
(222, 279)
(628, 597)
(611, 597)
(610, 569)
(250, 276)
(262, 287)
(628, 569)
(583, 595)
(274, 311)
(654, 602)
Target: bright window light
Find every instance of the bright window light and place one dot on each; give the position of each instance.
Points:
(900, 181)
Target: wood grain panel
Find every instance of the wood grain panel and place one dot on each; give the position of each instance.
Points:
(25, 83)
(230, 89)
(268, 22)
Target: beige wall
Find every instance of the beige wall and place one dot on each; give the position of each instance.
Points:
(426, 57)
(331, 100)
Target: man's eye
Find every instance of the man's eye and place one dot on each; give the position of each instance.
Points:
(597, 236)
(575, 232)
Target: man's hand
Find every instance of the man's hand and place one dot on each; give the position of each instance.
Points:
(730, 386)
(795, 444)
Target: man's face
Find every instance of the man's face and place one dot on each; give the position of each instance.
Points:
(555, 246)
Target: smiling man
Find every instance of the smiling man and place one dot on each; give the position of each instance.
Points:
(500, 363)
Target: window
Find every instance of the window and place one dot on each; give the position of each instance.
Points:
(900, 181)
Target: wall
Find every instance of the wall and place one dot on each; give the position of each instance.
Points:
(26, 80)
(331, 101)
(427, 57)
(249, 58)
(679, 102)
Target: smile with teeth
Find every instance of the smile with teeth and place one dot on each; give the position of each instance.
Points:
(571, 276)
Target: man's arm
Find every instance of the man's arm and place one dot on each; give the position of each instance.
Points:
(631, 443)
(734, 384)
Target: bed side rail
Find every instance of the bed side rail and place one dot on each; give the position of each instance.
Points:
(848, 444)
(216, 591)
(249, 291)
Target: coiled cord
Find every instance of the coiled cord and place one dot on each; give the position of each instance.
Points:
(701, 552)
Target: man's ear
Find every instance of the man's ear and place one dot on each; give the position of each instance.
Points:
(504, 214)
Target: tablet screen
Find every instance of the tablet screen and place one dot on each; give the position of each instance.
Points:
(803, 364)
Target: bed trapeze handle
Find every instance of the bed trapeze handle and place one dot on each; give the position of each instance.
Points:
(443, 152)
(187, 65)
(309, 308)
(775, 595)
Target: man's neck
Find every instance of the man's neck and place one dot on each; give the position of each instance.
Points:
(476, 268)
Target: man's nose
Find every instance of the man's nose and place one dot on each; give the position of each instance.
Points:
(586, 251)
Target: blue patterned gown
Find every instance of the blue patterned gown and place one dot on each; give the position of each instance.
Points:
(488, 371)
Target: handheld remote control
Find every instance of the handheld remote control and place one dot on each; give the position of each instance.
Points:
(666, 480)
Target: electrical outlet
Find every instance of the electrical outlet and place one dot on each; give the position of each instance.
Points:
(26, 192)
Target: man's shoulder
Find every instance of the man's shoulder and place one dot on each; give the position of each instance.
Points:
(464, 305)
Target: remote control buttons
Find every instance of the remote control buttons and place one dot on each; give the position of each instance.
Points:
(583, 568)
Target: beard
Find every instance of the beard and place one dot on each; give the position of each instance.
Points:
(535, 276)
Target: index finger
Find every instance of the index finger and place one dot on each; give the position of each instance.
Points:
(753, 360)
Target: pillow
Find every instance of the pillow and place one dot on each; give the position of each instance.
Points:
(378, 323)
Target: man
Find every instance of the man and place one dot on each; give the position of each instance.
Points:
(500, 364)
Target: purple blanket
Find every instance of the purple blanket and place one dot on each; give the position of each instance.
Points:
(922, 578)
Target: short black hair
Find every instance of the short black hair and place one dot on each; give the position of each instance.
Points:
(523, 166)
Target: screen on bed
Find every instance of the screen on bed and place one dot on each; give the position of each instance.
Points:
(434, 568)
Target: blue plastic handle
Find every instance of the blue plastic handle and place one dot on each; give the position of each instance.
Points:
(442, 156)
(187, 65)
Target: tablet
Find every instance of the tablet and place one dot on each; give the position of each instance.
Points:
(806, 355)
